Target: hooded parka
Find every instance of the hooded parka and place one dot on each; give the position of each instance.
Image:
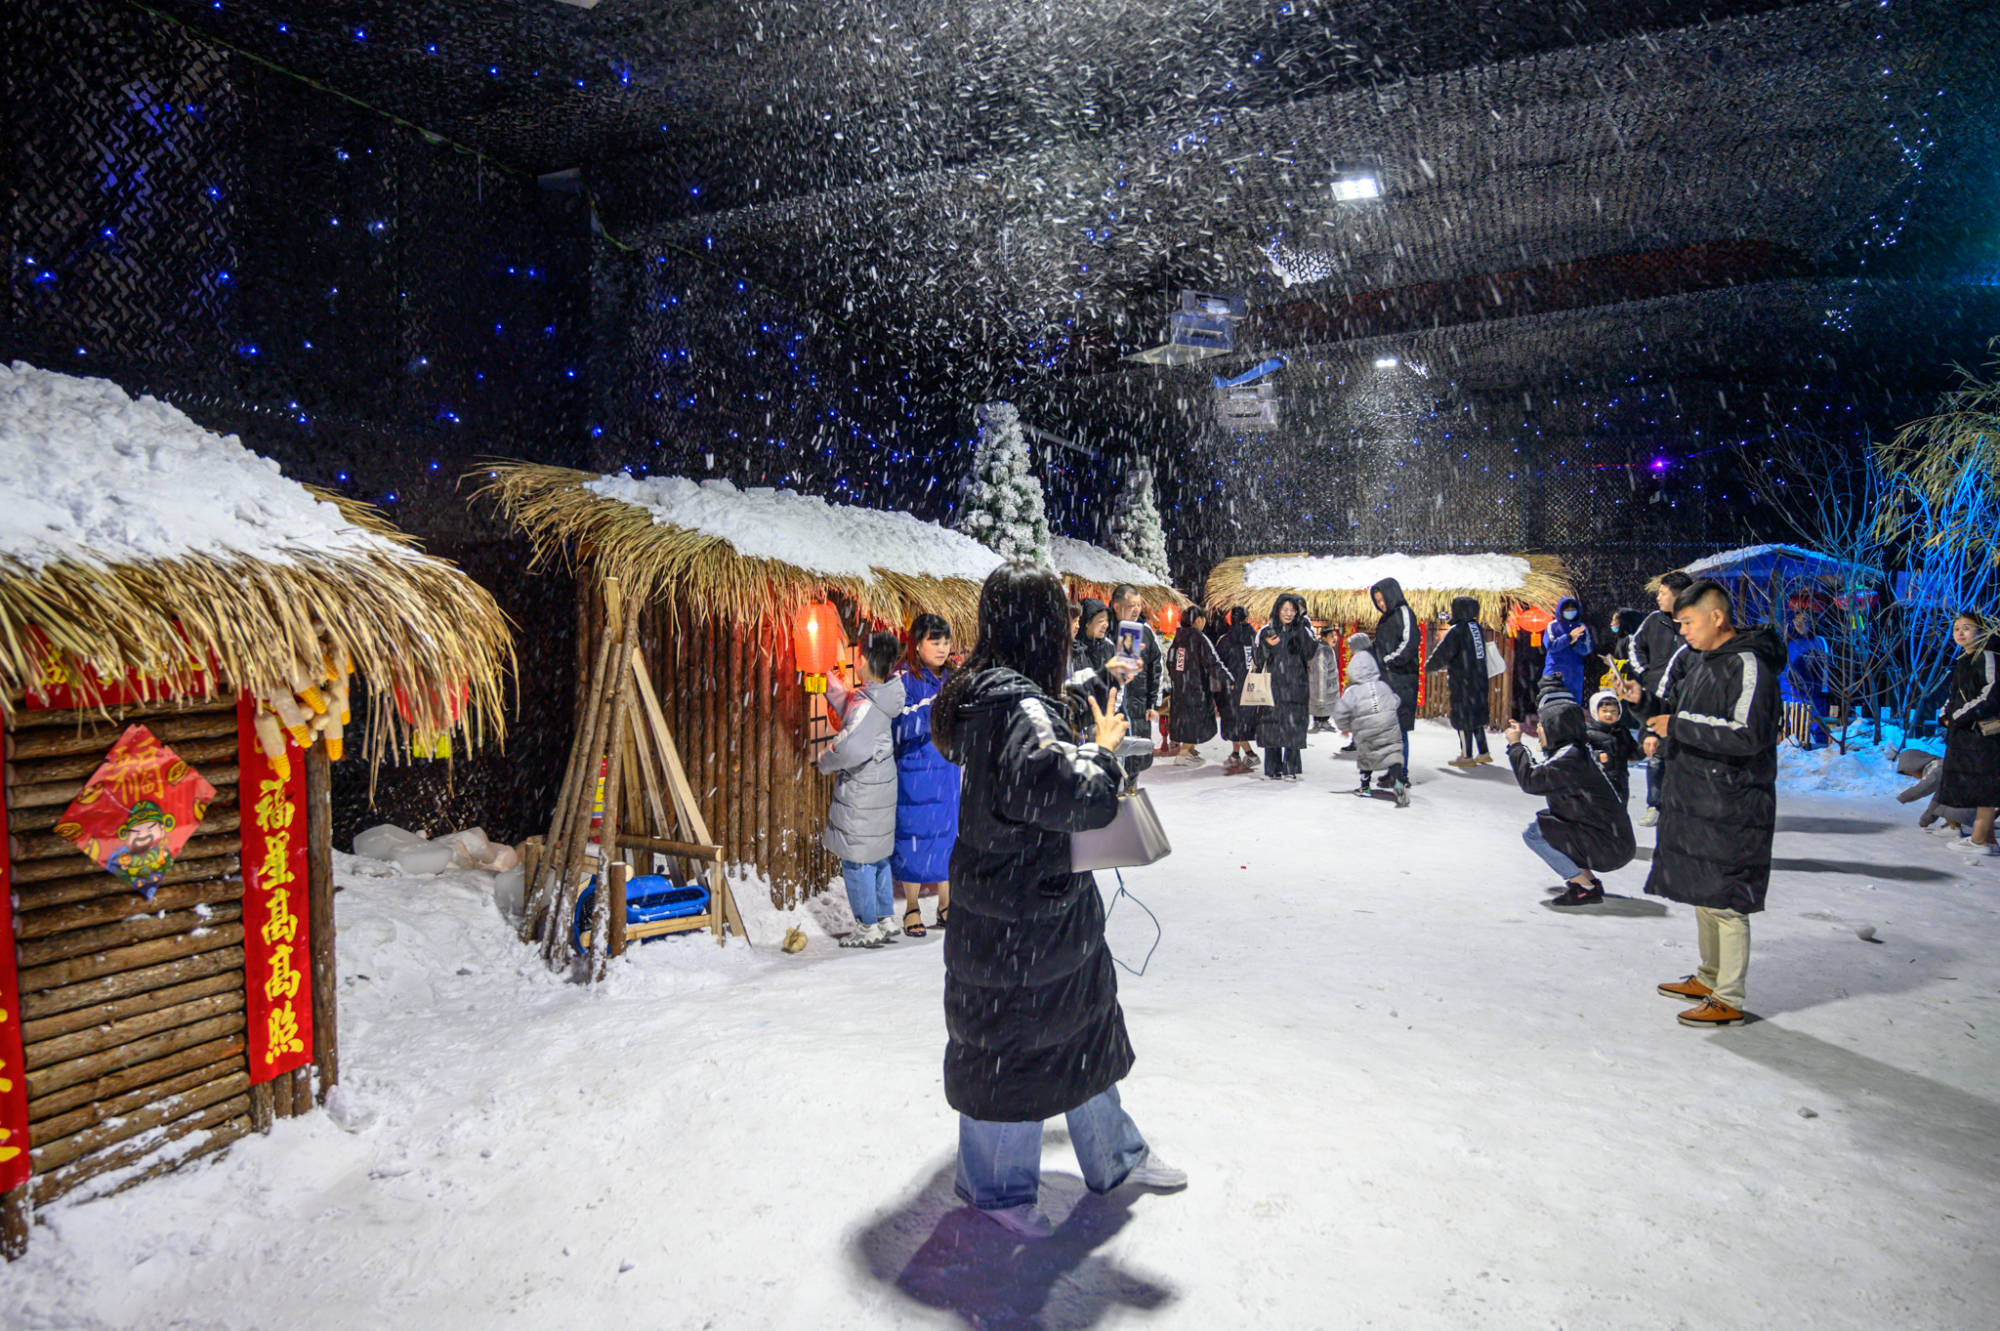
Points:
(1032, 1022)
(1239, 653)
(1368, 707)
(1569, 659)
(1653, 645)
(861, 821)
(1585, 820)
(1325, 678)
(1461, 654)
(1718, 795)
(1397, 643)
(1200, 682)
(1283, 724)
(926, 785)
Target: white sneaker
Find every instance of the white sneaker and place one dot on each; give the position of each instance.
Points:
(1153, 1172)
(1026, 1220)
(1973, 848)
(1650, 818)
(1189, 758)
(889, 929)
(863, 936)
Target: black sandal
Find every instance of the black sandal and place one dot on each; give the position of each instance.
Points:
(913, 930)
(943, 911)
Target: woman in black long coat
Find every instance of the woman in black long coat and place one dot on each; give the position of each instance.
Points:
(1032, 1022)
(1971, 778)
(1286, 648)
(1199, 681)
(1461, 654)
(1239, 723)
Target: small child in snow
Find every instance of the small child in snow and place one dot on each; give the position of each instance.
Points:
(1585, 826)
(1609, 739)
(861, 823)
(1325, 678)
(1366, 708)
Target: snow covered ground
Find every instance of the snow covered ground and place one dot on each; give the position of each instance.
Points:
(1409, 1095)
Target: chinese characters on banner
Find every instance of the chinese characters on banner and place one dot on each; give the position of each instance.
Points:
(135, 815)
(276, 948)
(13, 1079)
(62, 681)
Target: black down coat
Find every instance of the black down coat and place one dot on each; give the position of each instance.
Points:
(1283, 724)
(1397, 643)
(1653, 644)
(1971, 777)
(1200, 682)
(1461, 654)
(1585, 819)
(1718, 794)
(1239, 651)
(1032, 1022)
(1143, 692)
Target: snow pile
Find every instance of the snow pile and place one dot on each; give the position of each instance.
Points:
(1347, 573)
(1081, 559)
(1003, 497)
(89, 475)
(1136, 533)
(803, 530)
(1860, 771)
(1758, 559)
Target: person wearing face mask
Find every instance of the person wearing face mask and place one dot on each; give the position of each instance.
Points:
(1569, 648)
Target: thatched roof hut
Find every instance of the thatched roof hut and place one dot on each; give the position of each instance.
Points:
(1335, 587)
(134, 540)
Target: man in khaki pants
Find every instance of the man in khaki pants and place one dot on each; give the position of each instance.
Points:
(1718, 720)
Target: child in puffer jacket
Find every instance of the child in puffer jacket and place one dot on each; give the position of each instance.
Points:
(861, 823)
(1612, 744)
(1366, 708)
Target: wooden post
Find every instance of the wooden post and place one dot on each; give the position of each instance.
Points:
(17, 1215)
(540, 892)
(262, 1114)
(738, 689)
(576, 835)
(620, 873)
(319, 884)
(600, 914)
(765, 841)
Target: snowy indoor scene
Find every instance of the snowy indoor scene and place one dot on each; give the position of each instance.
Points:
(843, 665)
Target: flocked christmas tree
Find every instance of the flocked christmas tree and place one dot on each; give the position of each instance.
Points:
(1136, 533)
(1003, 498)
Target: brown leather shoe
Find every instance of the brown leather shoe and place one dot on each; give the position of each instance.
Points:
(1686, 987)
(1711, 1012)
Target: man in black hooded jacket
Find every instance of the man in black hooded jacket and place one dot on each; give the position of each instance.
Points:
(1718, 805)
(1397, 650)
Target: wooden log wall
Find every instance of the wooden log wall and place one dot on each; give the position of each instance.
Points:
(738, 712)
(133, 1011)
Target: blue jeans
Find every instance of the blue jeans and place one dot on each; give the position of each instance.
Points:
(1406, 751)
(1653, 771)
(1000, 1164)
(870, 893)
(1552, 857)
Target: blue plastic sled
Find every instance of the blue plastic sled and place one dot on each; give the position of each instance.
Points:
(649, 898)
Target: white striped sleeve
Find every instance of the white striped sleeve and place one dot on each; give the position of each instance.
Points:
(1985, 694)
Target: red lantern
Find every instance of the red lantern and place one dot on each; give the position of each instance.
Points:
(1168, 618)
(1530, 620)
(818, 640)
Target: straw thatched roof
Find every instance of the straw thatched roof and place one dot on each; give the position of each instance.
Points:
(1089, 570)
(407, 621)
(207, 555)
(706, 573)
(1335, 589)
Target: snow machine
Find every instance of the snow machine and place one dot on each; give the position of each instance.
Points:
(649, 898)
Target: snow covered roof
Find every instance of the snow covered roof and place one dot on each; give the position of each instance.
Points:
(132, 538)
(1785, 561)
(1094, 566)
(803, 530)
(1335, 587)
(91, 475)
(1483, 572)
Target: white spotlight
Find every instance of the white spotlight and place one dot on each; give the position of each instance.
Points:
(1353, 189)
(1385, 362)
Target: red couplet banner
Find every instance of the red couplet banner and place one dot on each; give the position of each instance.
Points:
(276, 948)
(61, 681)
(14, 1163)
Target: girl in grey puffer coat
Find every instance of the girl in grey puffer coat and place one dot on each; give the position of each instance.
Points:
(861, 824)
(1367, 707)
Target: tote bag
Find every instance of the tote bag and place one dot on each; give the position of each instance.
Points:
(1256, 689)
(1132, 839)
(1496, 664)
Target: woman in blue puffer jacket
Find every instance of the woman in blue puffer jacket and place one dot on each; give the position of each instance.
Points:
(1569, 646)
(926, 783)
